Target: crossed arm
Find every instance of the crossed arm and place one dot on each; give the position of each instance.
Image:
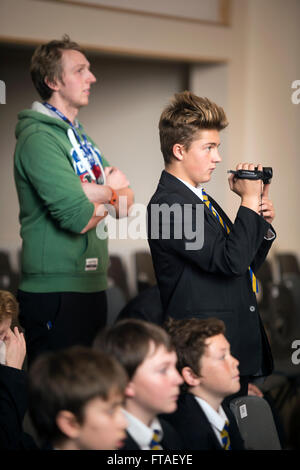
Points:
(100, 195)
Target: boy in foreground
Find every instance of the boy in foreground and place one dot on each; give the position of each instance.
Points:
(210, 374)
(75, 399)
(146, 353)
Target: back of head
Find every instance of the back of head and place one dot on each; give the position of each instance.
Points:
(9, 308)
(46, 63)
(67, 380)
(184, 117)
(130, 340)
(189, 337)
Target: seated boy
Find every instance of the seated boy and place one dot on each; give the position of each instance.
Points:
(13, 380)
(210, 374)
(75, 398)
(146, 352)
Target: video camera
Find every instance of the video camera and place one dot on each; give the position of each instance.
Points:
(265, 175)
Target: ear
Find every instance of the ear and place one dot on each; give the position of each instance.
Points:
(190, 377)
(178, 151)
(67, 423)
(130, 390)
(52, 84)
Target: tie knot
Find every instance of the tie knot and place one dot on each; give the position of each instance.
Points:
(156, 438)
(204, 195)
(225, 436)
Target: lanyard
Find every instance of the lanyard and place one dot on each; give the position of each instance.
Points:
(87, 150)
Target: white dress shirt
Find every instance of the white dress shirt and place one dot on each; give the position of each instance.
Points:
(216, 418)
(141, 433)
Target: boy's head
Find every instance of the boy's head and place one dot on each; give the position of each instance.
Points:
(75, 399)
(146, 352)
(204, 359)
(46, 64)
(189, 134)
(9, 310)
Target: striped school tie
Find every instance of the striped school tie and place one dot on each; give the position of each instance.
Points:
(225, 437)
(154, 444)
(207, 202)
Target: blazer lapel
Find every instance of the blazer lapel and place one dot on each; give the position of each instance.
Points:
(169, 183)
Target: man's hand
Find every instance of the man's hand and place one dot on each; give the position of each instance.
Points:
(248, 190)
(15, 348)
(254, 391)
(115, 178)
(266, 207)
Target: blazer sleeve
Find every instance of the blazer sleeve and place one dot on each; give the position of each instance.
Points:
(13, 405)
(227, 254)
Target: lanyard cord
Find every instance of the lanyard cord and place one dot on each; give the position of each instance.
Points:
(83, 146)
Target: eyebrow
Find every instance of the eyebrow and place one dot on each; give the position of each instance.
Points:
(213, 143)
(82, 65)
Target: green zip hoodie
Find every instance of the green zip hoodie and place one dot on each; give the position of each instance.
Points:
(53, 211)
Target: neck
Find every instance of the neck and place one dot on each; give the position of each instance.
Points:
(146, 416)
(66, 444)
(69, 111)
(175, 171)
(213, 401)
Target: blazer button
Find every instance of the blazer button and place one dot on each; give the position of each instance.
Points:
(252, 308)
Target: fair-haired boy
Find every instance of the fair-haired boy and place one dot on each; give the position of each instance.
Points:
(210, 374)
(218, 274)
(146, 353)
(75, 398)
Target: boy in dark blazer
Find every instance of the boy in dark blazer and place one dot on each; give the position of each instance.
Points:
(147, 354)
(75, 398)
(210, 374)
(205, 264)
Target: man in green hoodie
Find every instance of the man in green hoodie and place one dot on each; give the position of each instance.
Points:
(64, 186)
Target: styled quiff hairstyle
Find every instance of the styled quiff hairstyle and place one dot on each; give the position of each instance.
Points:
(130, 340)
(68, 380)
(189, 337)
(46, 63)
(184, 117)
(9, 307)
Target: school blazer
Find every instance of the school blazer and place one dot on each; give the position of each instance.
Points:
(214, 280)
(194, 429)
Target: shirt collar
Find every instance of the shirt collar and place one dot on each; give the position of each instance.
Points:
(141, 433)
(216, 418)
(197, 190)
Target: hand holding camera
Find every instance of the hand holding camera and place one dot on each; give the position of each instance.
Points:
(252, 184)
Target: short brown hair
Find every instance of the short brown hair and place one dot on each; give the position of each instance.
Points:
(129, 341)
(9, 307)
(189, 337)
(68, 380)
(186, 115)
(46, 63)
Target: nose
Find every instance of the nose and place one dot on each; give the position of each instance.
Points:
(235, 362)
(216, 156)
(121, 419)
(178, 380)
(91, 77)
